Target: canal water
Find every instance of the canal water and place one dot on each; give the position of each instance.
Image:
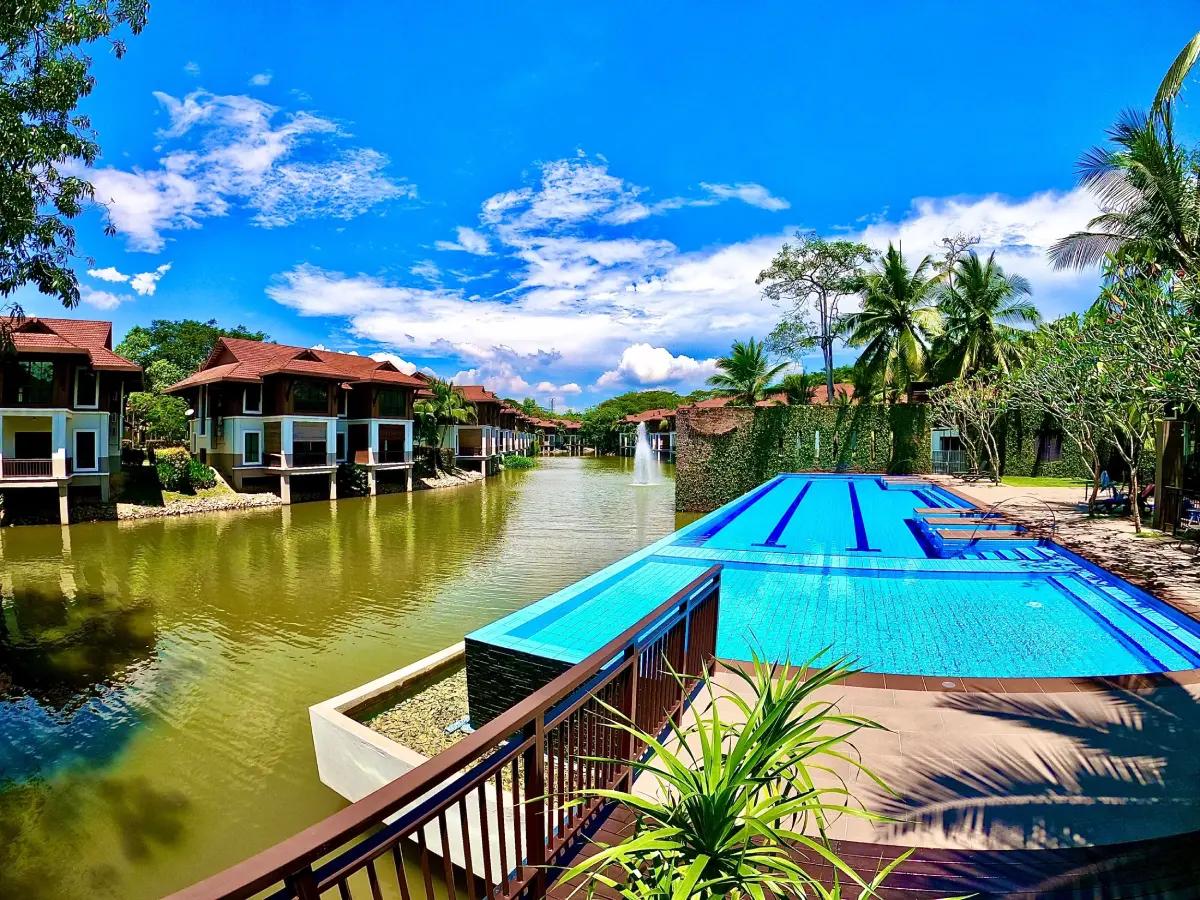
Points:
(155, 676)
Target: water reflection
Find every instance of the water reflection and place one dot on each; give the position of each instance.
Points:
(157, 674)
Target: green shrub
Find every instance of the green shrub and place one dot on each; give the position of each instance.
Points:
(520, 462)
(352, 480)
(179, 471)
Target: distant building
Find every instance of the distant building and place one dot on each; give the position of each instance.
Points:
(263, 411)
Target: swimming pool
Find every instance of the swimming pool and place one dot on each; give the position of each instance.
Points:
(895, 574)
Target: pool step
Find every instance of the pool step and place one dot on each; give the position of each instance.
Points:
(1173, 631)
(1138, 631)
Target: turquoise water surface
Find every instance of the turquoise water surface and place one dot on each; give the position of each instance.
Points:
(843, 565)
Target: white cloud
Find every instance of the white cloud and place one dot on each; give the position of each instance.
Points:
(236, 150)
(590, 302)
(644, 365)
(402, 364)
(146, 283)
(426, 269)
(498, 376)
(469, 241)
(192, 68)
(109, 273)
(101, 299)
(261, 79)
(747, 192)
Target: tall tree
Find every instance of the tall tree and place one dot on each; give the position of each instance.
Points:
(812, 276)
(185, 343)
(44, 73)
(1149, 189)
(982, 314)
(746, 373)
(895, 323)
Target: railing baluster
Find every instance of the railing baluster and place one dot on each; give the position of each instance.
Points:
(447, 865)
(535, 820)
(401, 873)
(373, 880)
(484, 830)
(504, 867)
(426, 871)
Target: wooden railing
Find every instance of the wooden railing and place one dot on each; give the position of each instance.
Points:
(26, 468)
(498, 807)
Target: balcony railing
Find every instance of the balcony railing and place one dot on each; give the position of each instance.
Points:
(395, 456)
(502, 800)
(302, 459)
(26, 468)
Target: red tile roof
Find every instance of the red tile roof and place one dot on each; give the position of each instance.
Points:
(819, 396)
(237, 359)
(85, 337)
(476, 393)
(650, 415)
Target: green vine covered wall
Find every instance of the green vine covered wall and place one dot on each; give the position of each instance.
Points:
(724, 452)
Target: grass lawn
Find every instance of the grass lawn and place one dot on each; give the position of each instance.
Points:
(219, 490)
(1042, 481)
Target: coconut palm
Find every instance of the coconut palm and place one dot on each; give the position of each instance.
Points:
(982, 313)
(1149, 190)
(895, 324)
(746, 373)
(444, 407)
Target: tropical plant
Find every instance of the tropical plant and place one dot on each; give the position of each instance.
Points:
(444, 408)
(813, 274)
(44, 74)
(745, 784)
(746, 373)
(895, 324)
(1149, 191)
(184, 343)
(975, 407)
(982, 313)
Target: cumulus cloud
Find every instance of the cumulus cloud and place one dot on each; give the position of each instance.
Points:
(144, 283)
(588, 301)
(469, 241)
(402, 364)
(644, 365)
(261, 79)
(498, 376)
(233, 151)
(105, 300)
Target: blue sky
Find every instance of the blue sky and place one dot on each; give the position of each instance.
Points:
(565, 201)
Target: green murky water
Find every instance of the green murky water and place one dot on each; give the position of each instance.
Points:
(155, 676)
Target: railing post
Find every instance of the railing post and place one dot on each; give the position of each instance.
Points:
(629, 707)
(303, 884)
(535, 807)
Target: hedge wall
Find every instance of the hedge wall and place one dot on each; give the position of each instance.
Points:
(1018, 439)
(722, 453)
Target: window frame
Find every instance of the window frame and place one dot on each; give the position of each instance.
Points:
(257, 432)
(299, 410)
(343, 409)
(95, 451)
(95, 404)
(340, 442)
(25, 366)
(246, 399)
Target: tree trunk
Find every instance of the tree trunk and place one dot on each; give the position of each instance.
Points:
(1134, 507)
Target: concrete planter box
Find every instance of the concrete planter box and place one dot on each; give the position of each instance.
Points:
(355, 761)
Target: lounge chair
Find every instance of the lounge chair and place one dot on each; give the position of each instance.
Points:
(1119, 501)
(1188, 527)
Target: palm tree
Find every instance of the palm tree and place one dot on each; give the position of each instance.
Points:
(445, 406)
(1149, 190)
(745, 373)
(982, 312)
(897, 320)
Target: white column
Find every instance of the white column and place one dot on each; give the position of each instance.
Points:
(285, 450)
(331, 452)
(58, 450)
(372, 441)
(64, 513)
(408, 439)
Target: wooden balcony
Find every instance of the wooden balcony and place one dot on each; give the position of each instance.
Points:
(27, 468)
(513, 800)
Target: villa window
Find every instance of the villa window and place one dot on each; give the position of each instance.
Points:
(340, 447)
(391, 404)
(37, 383)
(87, 388)
(85, 451)
(252, 399)
(1049, 446)
(343, 403)
(251, 448)
(310, 397)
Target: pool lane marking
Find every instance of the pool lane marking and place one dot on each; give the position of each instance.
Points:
(862, 545)
(780, 526)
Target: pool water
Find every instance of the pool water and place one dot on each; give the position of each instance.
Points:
(846, 566)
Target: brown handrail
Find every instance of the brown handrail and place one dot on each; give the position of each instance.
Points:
(289, 863)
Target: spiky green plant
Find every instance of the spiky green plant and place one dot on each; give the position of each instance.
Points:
(445, 407)
(746, 373)
(745, 786)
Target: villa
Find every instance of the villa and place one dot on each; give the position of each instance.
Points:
(262, 412)
(660, 429)
(62, 412)
(478, 443)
